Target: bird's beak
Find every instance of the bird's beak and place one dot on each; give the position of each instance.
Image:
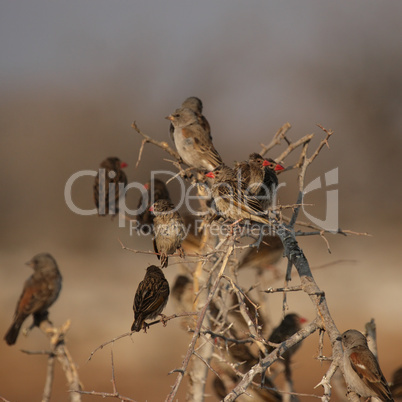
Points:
(170, 117)
(151, 209)
(30, 263)
(123, 165)
(266, 163)
(210, 175)
(146, 186)
(278, 168)
(339, 339)
(302, 320)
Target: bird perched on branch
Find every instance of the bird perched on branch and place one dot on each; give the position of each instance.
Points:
(231, 199)
(195, 104)
(361, 369)
(155, 190)
(40, 291)
(183, 293)
(265, 257)
(107, 187)
(193, 141)
(168, 230)
(150, 298)
(258, 176)
(290, 324)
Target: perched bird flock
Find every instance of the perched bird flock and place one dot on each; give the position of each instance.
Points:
(245, 192)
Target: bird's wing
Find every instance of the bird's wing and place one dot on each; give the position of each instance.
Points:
(203, 143)
(367, 368)
(145, 300)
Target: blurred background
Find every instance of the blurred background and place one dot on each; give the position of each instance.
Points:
(74, 75)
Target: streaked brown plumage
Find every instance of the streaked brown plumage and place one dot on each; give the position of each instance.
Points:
(108, 179)
(195, 104)
(193, 142)
(290, 324)
(40, 291)
(362, 372)
(168, 230)
(258, 176)
(150, 298)
(231, 199)
(155, 190)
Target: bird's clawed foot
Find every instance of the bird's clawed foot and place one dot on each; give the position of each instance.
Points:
(163, 319)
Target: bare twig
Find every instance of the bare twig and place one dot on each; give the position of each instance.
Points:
(290, 289)
(140, 152)
(371, 335)
(201, 256)
(264, 363)
(197, 330)
(115, 393)
(160, 144)
(164, 320)
(49, 378)
(292, 146)
(279, 135)
(58, 350)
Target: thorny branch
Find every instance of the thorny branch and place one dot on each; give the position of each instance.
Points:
(58, 350)
(221, 328)
(161, 144)
(115, 393)
(165, 319)
(197, 330)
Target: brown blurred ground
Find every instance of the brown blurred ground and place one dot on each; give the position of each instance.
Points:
(337, 67)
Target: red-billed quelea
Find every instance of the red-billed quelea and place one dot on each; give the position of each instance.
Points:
(108, 181)
(150, 298)
(290, 324)
(258, 176)
(195, 104)
(362, 371)
(155, 190)
(169, 230)
(40, 291)
(231, 199)
(193, 142)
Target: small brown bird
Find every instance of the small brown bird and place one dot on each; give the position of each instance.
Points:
(231, 199)
(196, 106)
(183, 293)
(40, 291)
(258, 176)
(155, 190)
(150, 298)
(107, 187)
(168, 230)
(193, 142)
(290, 324)
(265, 257)
(361, 369)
